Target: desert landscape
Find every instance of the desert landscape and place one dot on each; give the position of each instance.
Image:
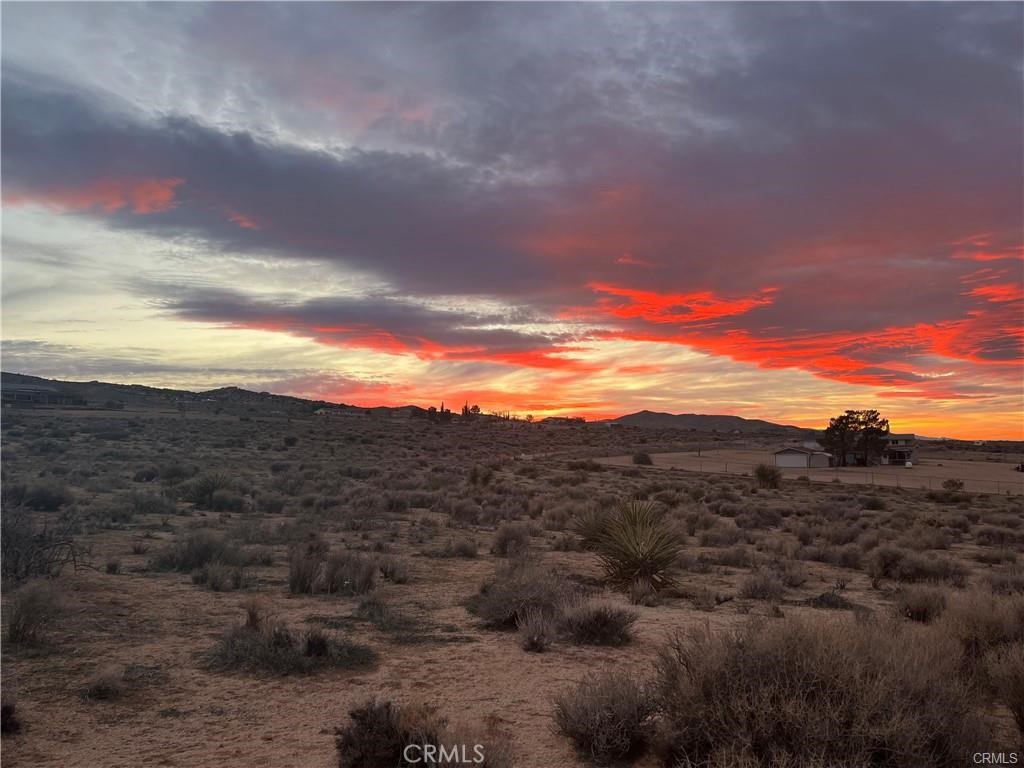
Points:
(511, 384)
(455, 571)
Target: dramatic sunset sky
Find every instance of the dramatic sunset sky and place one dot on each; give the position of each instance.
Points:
(774, 211)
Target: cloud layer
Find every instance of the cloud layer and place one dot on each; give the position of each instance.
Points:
(830, 190)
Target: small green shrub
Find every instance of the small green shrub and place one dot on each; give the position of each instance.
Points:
(768, 476)
(642, 459)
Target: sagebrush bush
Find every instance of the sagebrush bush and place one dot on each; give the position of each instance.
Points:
(511, 539)
(637, 542)
(608, 716)
(196, 550)
(107, 684)
(836, 692)
(762, 585)
(31, 611)
(981, 622)
(515, 590)
(345, 572)
(891, 562)
(590, 622)
(264, 644)
(220, 577)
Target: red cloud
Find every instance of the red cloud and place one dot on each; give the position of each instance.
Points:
(141, 196)
(674, 307)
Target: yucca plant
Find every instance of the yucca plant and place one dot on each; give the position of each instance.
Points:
(637, 544)
(590, 525)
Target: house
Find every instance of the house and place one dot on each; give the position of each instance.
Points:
(899, 449)
(804, 458)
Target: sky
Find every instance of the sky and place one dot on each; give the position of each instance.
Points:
(777, 211)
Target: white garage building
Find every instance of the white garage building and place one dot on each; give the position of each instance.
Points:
(803, 458)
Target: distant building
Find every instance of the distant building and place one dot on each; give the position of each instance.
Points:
(35, 395)
(803, 458)
(899, 449)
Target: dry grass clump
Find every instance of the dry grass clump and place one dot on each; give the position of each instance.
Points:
(263, 644)
(537, 630)
(828, 693)
(1004, 668)
(313, 571)
(608, 716)
(220, 577)
(516, 589)
(981, 623)
(591, 622)
(1009, 583)
(768, 476)
(762, 584)
(31, 612)
(380, 732)
(920, 603)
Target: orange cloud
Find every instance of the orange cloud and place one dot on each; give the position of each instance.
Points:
(141, 196)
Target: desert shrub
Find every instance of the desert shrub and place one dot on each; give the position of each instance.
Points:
(537, 630)
(105, 685)
(992, 536)
(224, 500)
(141, 503)
(47, 497)
(874, 504)
(29, 549)
(1008, 583)
(758, 517)
(220, 577)
(953, 485)
(891, 562)
(768, 476)
(516, 589)
(589, 622)
(30, 613)
(454, 548)
(638, 543)
(313, 571)
(262, 644)
(201, 490)
(271, 503)
(641, 592)
(511, 539)
(920, 603)
(981, 622)
(720, 536)
(1005, 670)
(762, 585)
(608, 716)
(791, 573)
(642, 459)
(394, 569)
(842, 693)
(349, 573)
(197, 549)
(379, 732)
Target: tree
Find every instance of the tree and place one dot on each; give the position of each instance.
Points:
(862, 433)
(872, 436)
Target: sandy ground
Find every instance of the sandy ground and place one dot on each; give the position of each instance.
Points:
(187, 716)
(978, 476)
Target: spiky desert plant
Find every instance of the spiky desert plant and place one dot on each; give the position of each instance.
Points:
(637, 543)
(590, 525)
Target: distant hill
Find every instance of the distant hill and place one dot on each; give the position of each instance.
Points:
(100, 394)
(702, 423)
